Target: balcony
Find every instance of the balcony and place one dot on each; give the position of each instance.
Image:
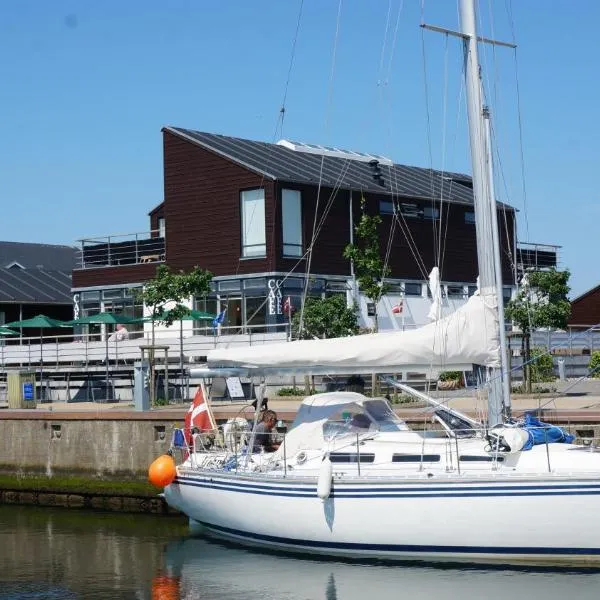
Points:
(536, 257)
(120, 250)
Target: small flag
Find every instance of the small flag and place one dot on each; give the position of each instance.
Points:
(287, 306)
(198, 416)
(398, 308)
(218, 320)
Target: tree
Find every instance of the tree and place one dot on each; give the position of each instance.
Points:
(366, 257)
(168, 287)
(541, 302)
(326, 318)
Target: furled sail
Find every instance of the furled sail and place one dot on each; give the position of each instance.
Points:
(468, 336)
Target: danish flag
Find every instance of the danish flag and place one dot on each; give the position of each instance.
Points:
(398, 308)
(198, 416)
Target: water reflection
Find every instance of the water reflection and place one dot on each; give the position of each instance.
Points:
(75, 555)
(54, 553)
(210, 569)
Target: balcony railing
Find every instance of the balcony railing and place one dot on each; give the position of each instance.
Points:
(537, 256)
(121, 249)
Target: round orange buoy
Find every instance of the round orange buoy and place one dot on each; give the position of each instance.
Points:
(162, 471)
(165, 588)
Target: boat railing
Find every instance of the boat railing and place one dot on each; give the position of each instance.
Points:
(434, 450)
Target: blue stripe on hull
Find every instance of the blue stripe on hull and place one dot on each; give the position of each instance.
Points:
(390, 549)
(468, 492)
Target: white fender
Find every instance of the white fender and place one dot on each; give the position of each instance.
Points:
(325, 477)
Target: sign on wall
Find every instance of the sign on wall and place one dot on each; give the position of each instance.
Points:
(274, 297)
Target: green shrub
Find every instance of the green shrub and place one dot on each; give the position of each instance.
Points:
(450, 376)
(290, 391)
(542, 366)
(594, 365)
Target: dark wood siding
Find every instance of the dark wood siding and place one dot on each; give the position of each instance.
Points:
(459, 250)
(202, 210)
(585, 310)
(83, 278)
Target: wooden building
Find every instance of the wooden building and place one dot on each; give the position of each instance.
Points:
(250, 212)
(585, 310)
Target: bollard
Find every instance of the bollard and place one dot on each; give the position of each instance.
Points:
(561, 369)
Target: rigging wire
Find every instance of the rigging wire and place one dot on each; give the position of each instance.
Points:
(327, 112)
(291, 65)
(428, 121)
(438, 254)
(519, 115)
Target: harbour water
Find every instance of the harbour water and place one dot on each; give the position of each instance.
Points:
(70, 554)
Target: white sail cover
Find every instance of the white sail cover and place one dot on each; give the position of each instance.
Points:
(468, 336)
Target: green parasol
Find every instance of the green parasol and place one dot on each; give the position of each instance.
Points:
(40, 322)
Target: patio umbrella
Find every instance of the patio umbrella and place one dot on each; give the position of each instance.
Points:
(191, 315)
(104, 318)
(5, 331)
(40, 322)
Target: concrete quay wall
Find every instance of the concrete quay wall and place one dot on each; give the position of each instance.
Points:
(119, 445)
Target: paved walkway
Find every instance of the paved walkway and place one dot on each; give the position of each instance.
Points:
(584, 396)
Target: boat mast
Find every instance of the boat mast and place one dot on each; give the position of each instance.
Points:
(488, 252)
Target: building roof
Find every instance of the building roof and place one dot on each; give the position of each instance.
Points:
(37, 256)
(594, 290)
(282, 163)
(35, 286)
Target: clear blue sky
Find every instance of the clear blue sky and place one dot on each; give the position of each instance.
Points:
(87, 86)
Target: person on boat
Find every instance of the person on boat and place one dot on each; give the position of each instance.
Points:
(263, 435)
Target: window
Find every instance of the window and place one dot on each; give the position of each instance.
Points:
(256, 314)
(386, 207)
(470, 218)
(410, 210)
(351, 457)
(456, 291)
(161, 227)
(253, 223)
(415, 458)
(431, 213)
(412, 289)
(291, 220)
(477, 458)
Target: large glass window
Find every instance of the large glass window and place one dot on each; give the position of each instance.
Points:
(253, 223)
(291, 217)
(256, 311)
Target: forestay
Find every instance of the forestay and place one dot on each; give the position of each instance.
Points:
(468, 336)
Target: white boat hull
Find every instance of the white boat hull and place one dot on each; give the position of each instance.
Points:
(484, 519)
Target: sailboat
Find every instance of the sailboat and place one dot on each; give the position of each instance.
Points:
(351, 479)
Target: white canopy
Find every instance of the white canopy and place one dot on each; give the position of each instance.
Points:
(468, 336)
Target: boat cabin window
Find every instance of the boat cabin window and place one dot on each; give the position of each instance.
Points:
(385, 418)
(351, 457)
(349, 419)
(478, 458)
(415, 458)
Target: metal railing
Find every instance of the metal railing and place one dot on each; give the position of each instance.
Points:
(537, 256)
(452, 456)
(121, 249)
